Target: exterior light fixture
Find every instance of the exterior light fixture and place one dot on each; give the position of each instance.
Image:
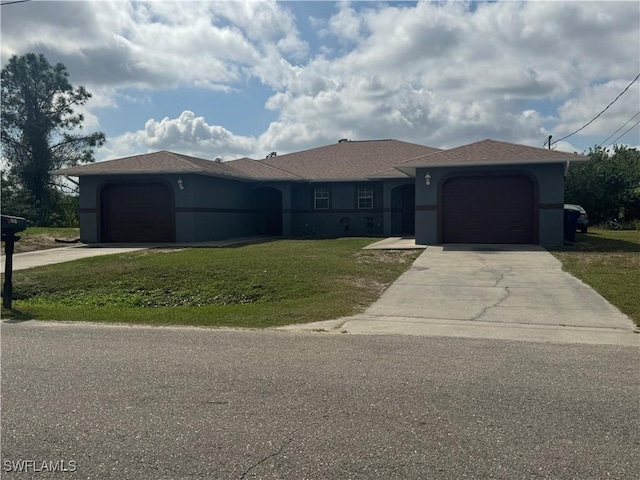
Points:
(180, 184)
(427, 179)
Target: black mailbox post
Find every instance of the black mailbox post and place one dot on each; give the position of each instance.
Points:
(10, 226)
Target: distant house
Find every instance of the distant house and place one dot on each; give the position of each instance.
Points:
(485, 192)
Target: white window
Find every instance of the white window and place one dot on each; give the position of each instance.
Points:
(365, 198)
(321, 198)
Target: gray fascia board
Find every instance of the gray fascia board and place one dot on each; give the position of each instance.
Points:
(410, 169)
(149, 172)
(79, 173)
(340, 180)
(529, 161)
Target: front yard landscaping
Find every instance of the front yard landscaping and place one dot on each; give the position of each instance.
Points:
(276, 283)
(269, 284)
(608, 261)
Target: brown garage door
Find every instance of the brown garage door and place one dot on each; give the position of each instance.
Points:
(137, 212)
(488, 209)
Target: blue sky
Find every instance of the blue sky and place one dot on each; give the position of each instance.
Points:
(232, 79)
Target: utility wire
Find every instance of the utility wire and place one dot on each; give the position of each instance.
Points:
(625, 124)
(627, 131)
(13, 1)
(606, 108)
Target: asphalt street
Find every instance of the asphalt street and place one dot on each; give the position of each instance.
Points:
(123, 402)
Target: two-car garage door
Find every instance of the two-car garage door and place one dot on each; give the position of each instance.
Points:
(488, 209)
(137, 212)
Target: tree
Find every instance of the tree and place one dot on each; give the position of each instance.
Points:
(41, 131)
(608, 185)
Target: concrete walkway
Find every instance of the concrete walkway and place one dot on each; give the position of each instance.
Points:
(396, 243)
(497, 291)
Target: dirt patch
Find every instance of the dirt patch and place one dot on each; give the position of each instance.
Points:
(151, 251)
(385, 256)
(30, 243)
(367, 283)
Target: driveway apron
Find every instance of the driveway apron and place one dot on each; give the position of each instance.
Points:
(492, 291)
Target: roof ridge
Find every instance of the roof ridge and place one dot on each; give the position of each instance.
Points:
(187, 157)
(372, 140)
(262, 162)
(211, 165)
(272, 167)
(439, 150)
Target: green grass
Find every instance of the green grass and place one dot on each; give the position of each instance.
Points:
(608, 261)
(51, 231)
(276, 283)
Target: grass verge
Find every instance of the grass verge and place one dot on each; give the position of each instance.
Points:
(269, 284)
(608, 261)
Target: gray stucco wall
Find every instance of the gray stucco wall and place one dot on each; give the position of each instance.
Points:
(206, 209)
(343, 218)
(393, 205)
(550, 183)
(211, 208)
(88, 209)
(214, 209)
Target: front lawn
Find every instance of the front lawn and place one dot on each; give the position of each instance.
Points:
(276, 283)
(608, 261)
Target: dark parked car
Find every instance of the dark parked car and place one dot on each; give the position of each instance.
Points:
(583, 219)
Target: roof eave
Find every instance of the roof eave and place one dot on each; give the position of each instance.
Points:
(339, 180)
(81, 173)
(76, 173)
(272, 179)
(400, 175)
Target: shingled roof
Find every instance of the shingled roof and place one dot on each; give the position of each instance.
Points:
(488, 152)
(155, 163)
(342, 161)
(348, 160)
(260, 171)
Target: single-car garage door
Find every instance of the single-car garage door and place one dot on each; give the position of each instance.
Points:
(137, 212)
(488, 209)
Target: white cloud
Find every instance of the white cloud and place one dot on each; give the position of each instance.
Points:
(575, 112)
(152, 45)
(346, 25)
(187, 134)
(441, 74)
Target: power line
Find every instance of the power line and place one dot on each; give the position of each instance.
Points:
(625, 124)
(11, 2)
(627, 131)
(606, 108)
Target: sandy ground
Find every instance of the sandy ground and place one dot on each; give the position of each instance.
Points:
(30, 243)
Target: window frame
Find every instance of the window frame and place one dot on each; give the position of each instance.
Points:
(326, 197)
(365, 193)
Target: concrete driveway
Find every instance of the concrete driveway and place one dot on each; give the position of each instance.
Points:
(490, 291)
(38, 258)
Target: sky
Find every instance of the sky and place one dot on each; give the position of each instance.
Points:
(245, 78)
